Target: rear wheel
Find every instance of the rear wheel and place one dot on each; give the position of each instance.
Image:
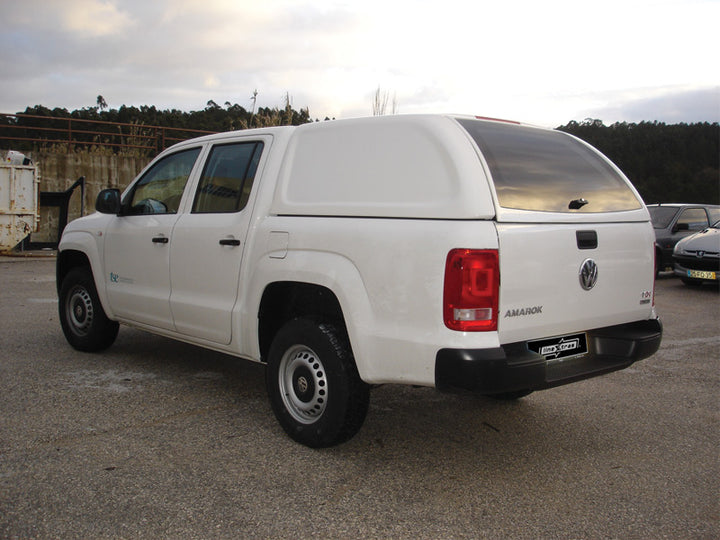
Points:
(83, 320)
(313, 384)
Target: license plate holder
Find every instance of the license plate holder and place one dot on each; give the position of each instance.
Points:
(560, 347)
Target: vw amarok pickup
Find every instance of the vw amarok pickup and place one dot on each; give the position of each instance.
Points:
(443, 251)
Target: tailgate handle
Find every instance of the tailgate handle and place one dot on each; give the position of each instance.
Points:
(586, 239)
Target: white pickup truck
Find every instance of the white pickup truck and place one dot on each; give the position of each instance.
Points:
(444, 251)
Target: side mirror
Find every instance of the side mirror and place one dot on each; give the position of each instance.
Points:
(681, 227)
(108, 201)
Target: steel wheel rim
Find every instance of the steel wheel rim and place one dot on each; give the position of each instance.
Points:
(303, 384)
(79, 311)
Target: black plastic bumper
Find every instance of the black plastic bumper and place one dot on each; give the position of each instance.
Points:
(514, 367)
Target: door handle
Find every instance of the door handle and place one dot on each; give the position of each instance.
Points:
(229, 242)
(160, 240)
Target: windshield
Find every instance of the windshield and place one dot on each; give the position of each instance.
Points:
(661, 216)
(548, 171)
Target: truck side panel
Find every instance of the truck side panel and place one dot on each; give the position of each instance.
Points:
(390, 291)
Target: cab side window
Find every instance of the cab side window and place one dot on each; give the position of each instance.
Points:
(160, 189)
(694, 218)
(227, 178)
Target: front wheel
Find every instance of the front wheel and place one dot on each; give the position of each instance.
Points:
(83, 320)
(313, 384)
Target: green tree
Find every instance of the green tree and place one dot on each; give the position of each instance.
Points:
(666, 163)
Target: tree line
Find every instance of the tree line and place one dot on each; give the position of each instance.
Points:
(213, 117)
(665, 162)
(130, 129)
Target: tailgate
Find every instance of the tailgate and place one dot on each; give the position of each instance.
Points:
(541, 288)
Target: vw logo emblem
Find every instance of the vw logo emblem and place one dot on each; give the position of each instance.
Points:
(588, 274)
(700, 254)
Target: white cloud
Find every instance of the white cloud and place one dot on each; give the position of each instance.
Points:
(211, 81)
(85, 18)
(543, 62)
(93, 18)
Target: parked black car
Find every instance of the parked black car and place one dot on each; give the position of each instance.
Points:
(672, 222)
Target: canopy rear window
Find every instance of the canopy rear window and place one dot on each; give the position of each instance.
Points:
(548, 171)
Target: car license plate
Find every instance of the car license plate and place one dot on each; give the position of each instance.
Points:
(701, 274)
(560, 347)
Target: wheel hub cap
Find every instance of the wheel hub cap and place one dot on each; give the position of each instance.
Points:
(303, 384)
(80, 311)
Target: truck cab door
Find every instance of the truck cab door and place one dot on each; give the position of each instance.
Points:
(138, 241)
(209, 241)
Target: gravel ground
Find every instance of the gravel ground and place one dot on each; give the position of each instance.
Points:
(159, 439)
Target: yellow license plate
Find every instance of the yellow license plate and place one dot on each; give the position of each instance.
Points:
(701, 274)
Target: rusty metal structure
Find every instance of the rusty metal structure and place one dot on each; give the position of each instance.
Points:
(24, 209)
(37, 130)
(19, 201)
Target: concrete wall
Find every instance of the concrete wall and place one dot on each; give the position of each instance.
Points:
(59, 170)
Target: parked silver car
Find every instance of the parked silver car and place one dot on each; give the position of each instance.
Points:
(696, 258)
(672, 222)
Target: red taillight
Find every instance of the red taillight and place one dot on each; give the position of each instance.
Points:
(472, 283)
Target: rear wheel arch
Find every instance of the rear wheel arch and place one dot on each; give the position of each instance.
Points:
(284, 301)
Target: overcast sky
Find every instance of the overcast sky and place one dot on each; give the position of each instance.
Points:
(544, 62)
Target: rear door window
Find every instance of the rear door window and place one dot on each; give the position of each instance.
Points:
(693, 219)
(227, 178)
(548, 171)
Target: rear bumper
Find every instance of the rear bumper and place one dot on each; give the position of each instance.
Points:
(514, 367)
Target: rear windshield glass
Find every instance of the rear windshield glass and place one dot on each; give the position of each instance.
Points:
(661, 216)
(548, 171)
